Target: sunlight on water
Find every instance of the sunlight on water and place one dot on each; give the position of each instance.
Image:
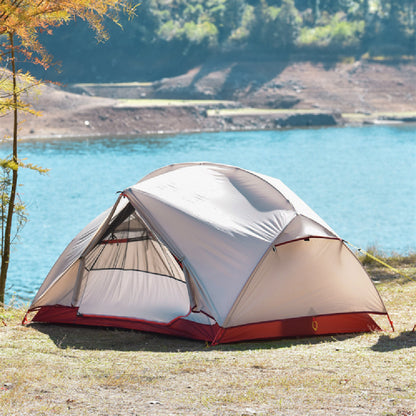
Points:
(361, 181)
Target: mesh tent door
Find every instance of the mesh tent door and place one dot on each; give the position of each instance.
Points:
(130, 274)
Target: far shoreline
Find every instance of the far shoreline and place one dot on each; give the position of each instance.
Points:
(160, 133)
(126, 122)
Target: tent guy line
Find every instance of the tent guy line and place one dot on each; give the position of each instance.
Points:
(380, 261)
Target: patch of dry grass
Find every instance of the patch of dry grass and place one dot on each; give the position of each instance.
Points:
(49, 369)
(112, 84)
(379, 116)
(250, 111)
(159, 102)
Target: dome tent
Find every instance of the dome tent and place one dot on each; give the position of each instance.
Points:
(210, 252)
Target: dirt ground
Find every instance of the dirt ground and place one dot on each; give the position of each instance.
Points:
(67, 370)
(311, 94)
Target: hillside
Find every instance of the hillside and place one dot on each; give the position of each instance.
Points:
(232, 95)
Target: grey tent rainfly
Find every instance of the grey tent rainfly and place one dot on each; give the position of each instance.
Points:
(210, 252)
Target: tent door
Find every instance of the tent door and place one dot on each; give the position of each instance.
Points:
(130, 274)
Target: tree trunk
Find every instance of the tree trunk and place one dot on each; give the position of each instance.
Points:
(316, 11)
(5, 259)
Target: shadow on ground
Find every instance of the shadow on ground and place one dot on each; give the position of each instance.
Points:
(386, 343)
(95, 338)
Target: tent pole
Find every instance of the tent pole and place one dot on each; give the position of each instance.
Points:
(77, 288)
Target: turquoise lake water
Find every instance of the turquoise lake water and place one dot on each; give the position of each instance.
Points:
(361, 181)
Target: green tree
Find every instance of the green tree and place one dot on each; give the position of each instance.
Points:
(276, 27)
(243, 30)
(390, 27)
(21, 21)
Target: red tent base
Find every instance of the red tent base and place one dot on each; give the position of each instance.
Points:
(287, 328)
(305, 327)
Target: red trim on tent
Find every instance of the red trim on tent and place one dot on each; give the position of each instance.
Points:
(115, 241)
(182, 327)
(305, 326)
(179, 327)
(178, 261)
(308, 238)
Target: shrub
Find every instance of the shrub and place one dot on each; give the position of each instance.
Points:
(338, 34)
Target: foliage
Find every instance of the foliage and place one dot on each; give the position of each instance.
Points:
(223, 23)
(7, 166)
(21, 22)
(277, 24)
(170, 36)
(276, 27)
(337, 34)
(26, 19)
(26, 82)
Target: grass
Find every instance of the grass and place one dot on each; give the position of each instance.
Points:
(248, 111)
(380, 115)
(134, 103)
(50, 369)
(357, 117)
(403, 261)
(113, 84)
